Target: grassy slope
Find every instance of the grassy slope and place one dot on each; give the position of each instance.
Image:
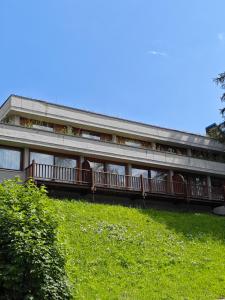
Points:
(115, 252)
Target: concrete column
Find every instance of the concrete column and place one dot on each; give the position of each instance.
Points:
(189, 152)
(106, 167)
(81, 160)
(26, 157)
(114, 139)
(17, 120)
(209, 185)
(79, 166)
(171, 173)
(129, 169)
(129, 173)
(153, 146)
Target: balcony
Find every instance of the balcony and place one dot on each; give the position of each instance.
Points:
(49, 141)
(106, 182)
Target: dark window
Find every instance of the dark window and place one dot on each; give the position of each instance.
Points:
(10, 159)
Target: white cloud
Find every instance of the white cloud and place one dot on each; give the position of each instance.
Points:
(154, 52)
(221, 36)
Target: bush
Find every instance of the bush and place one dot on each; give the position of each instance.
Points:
(31, 266)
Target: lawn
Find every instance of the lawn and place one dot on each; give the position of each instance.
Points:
(115, 252)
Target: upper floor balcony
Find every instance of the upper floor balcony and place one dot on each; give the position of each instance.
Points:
(50, 141)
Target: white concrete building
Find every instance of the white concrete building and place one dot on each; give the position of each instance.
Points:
(63, 146)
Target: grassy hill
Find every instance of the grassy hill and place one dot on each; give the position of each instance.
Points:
(114, 252)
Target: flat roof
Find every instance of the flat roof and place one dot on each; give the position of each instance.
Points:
(104, 115)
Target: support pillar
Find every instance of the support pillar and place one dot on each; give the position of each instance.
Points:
(81, 160)
(79, 171)
(114, 139)
(17, 120)
(26, 158)
(129, 169)
(128, 174)
(153, 146)
(189, 152)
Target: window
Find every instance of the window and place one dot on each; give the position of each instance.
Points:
(133, 143)
(8, 120)
(130, 142)
(116, 175)
(10, 159)
(96, 166)
(36, 124)
(117, 169)
(60, 129)
(91, 135)
(197, 180)
(139, 172)
(217, 182)
(159, 175)
(65, 170)
(42, 158)
(65, 162)
(42, 127)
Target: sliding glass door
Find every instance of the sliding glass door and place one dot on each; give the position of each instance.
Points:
(50, 167)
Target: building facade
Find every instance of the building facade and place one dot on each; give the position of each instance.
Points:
(67, 147)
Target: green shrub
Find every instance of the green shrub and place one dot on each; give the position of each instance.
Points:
(31, 266)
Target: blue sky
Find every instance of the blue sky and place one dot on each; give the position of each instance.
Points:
(146, 60)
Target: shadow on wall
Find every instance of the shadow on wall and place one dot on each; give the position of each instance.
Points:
(193, 226)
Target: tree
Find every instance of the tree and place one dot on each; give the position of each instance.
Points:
(220, 80)
(218, 131)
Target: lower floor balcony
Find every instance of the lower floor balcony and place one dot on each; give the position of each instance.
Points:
(107, 182)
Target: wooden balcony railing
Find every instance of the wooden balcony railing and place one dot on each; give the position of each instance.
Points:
(107, 180)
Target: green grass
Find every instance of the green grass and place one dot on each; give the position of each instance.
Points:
(114, 252)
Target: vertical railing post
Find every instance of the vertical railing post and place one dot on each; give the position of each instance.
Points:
(187, 189)
(33, 169)
(92, 175)
(209, 187)
(142, 185)
(76, 175)
(80, 169)
(224, 194)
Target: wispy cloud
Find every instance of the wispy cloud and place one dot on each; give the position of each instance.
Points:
(157, 53)
(221, 36)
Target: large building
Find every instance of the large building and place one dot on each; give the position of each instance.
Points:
(81, 150)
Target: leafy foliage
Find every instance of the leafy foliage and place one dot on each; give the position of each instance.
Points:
(221, 81)
(31, 266)
(218, 131)
(115, 252)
